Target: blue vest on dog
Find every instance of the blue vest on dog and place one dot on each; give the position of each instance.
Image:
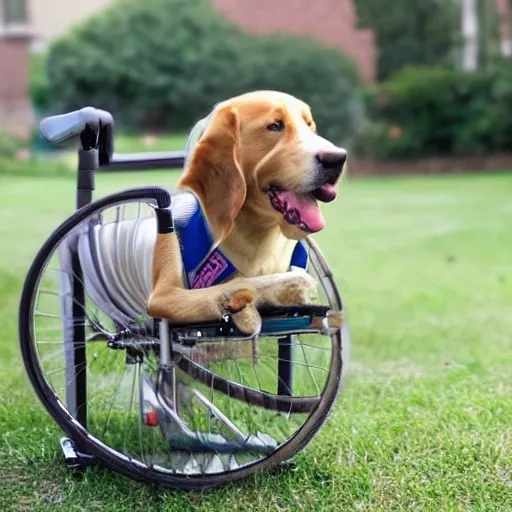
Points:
(204, 266)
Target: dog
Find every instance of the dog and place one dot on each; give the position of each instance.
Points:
(256, 173)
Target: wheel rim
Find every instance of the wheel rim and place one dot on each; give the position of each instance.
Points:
(118, 383)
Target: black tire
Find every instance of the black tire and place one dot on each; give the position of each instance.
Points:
(109, 457)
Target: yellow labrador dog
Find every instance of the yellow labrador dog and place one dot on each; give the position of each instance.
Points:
(258, 172)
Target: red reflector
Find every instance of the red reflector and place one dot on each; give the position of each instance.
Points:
(151, 419)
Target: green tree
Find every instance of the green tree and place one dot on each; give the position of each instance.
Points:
(419, 32)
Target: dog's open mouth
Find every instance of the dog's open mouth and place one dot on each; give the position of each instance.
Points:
(302, 210)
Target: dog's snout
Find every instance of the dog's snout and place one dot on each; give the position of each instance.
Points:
(332, 158)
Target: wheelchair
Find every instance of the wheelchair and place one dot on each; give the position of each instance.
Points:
(180, 406)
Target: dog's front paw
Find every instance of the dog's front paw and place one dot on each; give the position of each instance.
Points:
(248, 320)
(299, 289)
(243, 312)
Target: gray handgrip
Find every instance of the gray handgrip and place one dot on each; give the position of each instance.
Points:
(95, 127)
(62, 128)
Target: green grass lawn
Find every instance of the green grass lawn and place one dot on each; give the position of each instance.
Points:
(425, 420)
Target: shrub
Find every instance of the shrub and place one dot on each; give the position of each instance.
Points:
(439, 111)
(9, 145)
(162, 64)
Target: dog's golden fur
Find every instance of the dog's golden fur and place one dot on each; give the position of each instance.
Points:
(232, 166)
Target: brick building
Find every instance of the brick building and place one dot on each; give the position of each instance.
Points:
(15, 36)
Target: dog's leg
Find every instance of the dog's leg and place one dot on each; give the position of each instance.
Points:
(239, 297)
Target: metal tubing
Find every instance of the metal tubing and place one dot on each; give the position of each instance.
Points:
(285, 366)
(145, 161)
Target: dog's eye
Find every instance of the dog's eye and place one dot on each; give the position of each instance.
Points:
(276, 126)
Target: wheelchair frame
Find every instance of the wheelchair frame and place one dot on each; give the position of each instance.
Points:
(95, 130)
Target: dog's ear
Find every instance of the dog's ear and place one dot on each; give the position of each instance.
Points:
(214, 174)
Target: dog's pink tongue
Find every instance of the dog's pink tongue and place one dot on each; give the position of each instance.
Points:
(307, 207)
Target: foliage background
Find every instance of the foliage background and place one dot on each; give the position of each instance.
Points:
(162, 64)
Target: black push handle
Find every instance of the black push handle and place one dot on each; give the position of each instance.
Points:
(95, 128)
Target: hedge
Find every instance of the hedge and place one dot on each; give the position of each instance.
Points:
(162, 64)
(423, 112)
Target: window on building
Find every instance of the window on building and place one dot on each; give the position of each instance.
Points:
(15, 11)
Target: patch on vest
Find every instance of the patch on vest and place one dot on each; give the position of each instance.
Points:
(210, 271)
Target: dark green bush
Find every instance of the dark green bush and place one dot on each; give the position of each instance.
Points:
(9, 145)
(161, 64)
(439, 111)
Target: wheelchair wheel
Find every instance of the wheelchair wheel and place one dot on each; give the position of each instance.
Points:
(225, 407)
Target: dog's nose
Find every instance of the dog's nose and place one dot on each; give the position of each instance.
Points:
(332, 158)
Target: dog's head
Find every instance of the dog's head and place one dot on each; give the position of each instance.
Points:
(260, 151)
